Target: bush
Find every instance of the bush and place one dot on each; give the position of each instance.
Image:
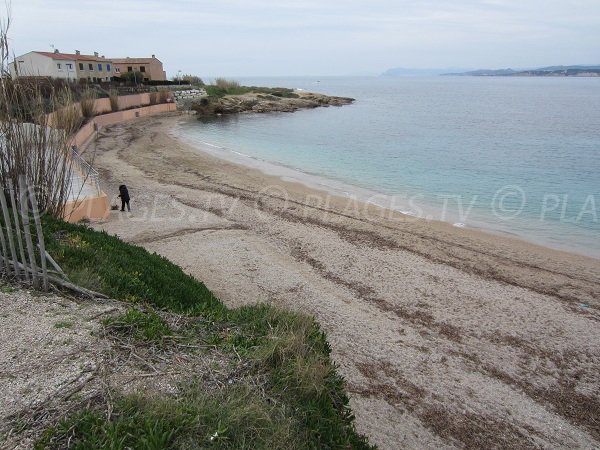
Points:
(154, 97)
(133, 77)
(164, 95)
(225, 84)
(87, 104)
(191, 79)
(114, 100)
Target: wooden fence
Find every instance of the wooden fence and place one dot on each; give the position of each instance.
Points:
(20, 257)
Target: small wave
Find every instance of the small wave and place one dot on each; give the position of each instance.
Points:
(211, 145)
(459, 225)
(241, 154)
(408, 213)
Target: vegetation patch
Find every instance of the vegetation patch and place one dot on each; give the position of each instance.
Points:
(236, 417)
(286, 394)
(145, 327)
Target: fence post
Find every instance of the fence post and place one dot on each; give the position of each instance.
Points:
(25, 216)
(9, 232)
(4, 259)
(15, 209)
(40, 235)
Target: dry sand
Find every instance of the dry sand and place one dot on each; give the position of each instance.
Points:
(447, 337)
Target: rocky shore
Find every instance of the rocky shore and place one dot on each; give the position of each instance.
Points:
(262, 103)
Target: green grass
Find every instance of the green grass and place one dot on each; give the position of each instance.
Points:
(145, 327)
(105, 263)
(308, 407)
(216, 91)
(232, 418)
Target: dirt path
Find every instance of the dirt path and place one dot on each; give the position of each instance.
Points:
(447, 337)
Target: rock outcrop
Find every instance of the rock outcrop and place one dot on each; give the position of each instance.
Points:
(263, 103)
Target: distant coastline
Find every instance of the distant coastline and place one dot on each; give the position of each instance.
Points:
(554, 71)
(550, 71)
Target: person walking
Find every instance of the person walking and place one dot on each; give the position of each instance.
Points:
(124, 195)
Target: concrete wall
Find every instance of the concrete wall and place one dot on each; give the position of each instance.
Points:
(86, 132)
(99, 207)
(102, 105)
(87, 208)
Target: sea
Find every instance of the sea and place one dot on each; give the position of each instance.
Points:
(511, 155)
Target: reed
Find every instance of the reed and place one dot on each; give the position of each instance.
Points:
(87, 103)
(114, 100)
(28, 145)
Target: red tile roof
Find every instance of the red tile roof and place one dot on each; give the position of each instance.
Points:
(133, 60)
(72, 56)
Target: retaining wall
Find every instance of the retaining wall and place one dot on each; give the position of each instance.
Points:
(99, 207)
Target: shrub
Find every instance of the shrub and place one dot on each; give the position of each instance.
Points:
(114, 100)
(133, 77)
(191, 79)
(225, 84)
(37, 151)
(87, 104)
(164, 95)
(154, 97)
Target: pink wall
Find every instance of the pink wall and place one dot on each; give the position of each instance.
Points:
(87, 131)
(102, 105)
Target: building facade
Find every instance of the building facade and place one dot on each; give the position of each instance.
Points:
(68, 66)
(150, 68)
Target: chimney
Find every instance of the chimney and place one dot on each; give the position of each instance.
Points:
(56, 50)
(103, 57)
(77, 52)
(96, 54)
(153, 56)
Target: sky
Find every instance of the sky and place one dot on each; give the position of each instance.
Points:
(314, 37)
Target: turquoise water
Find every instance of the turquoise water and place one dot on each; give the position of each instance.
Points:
(511, 155)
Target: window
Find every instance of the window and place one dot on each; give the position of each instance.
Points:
(108, 67)
(59, 66)
(70, 66)
(91, 66)
(99, 67)
(142, 69)
(80, 66)
(117, 69)
(129, 69)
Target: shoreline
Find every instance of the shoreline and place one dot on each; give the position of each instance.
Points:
(354, 193)
(446, 337)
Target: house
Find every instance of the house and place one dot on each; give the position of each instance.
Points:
(151, 68)
(69, 66)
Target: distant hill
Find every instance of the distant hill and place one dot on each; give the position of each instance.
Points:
(407, 72)
(551, 71)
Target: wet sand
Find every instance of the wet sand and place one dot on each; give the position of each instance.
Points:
(447, 337)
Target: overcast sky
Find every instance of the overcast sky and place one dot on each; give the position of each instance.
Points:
(315, 37)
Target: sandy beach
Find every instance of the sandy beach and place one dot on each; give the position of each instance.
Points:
(447, 337)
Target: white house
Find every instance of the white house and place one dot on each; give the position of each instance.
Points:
(68, 66)
(41, 64)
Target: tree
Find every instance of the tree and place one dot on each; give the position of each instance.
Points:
(133, 77)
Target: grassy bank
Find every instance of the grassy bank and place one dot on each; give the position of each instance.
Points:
(289, 396)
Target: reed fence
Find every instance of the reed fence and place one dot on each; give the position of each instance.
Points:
(23, 254)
